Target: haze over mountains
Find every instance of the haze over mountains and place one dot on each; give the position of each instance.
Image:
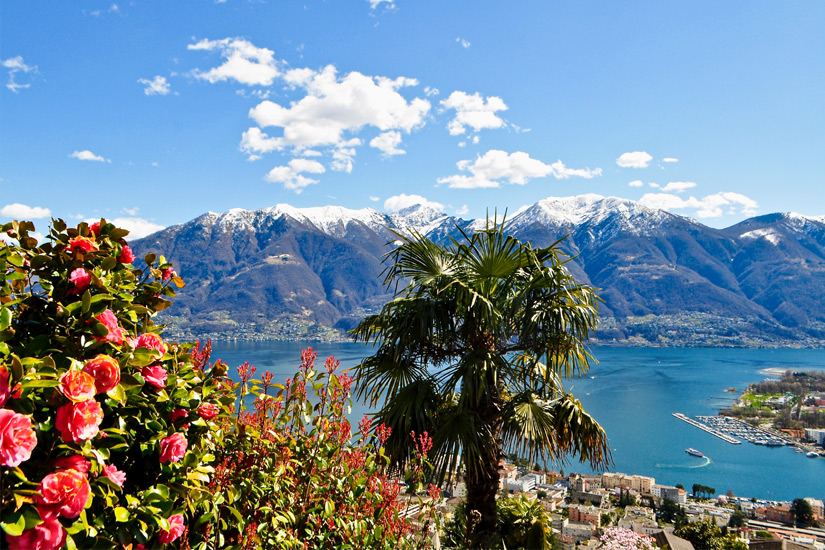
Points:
(286, 272)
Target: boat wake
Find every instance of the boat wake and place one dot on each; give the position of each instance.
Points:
(685, 466)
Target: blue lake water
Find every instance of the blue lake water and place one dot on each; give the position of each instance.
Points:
(633, 392)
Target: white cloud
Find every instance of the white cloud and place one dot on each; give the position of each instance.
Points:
(473, 111)
(399, 202)
(388, 142)
(461, 211)
(291, 175)
(343, 154)
(156, 86)
(131, 211)
(375, 199)
(653, 184)
(706, 207)
(88, 155)
(23, 212)
(430, 91)
(244, 63)
(678, 186)
(137, 227)
(375, 3)
(496, 167)
(334, 106)
(464, 43)
(333, 110)
(670, 159)
(636, 159)
(16, 65)
(635, 183)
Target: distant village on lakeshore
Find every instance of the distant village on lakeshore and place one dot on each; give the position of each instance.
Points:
(583, 505)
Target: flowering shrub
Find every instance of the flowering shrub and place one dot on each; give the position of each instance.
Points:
(291, 474)
(102, 438)
(618, 538)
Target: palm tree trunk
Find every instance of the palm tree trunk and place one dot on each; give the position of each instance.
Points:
(483, 484)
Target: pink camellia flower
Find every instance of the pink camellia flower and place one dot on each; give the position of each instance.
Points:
(84, 244)
(65, 493)
(178, 413)
(77, 385)
(173, 448)
(208, 410)
(79, 421)
(105, 371)
(115, 476)
(80, 278)
(109, 320)
(176, 527)
(126, 255)
(167, 273)
(48, 535)
(151, 341)
(95, 229)
(74, 462)
(155, 376)
(17, 438)
(5, 387)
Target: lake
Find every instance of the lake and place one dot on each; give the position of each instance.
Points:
(633, 392)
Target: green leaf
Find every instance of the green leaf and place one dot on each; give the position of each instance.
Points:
(329, 508)
(127, 381)
(87, 303)
(99, 329)
(235, 513)
(118, 394)
(121, 514)
(5, 318)
(40, 383)
(108, 263)
(101, 298)
(14, 524)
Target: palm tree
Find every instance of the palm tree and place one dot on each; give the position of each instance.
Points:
(472, 350)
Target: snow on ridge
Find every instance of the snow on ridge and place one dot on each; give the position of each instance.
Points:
(764, 233)
(803, 218)
(579, 209)
(419, 218)
(332, 220)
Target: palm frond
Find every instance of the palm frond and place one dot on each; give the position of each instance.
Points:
(552, 429)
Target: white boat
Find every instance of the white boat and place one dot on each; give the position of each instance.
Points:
(693, 452)
(812, 454)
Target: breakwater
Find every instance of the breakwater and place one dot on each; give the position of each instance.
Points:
(720, 435)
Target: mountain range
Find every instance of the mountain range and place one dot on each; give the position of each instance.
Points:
(299, 273)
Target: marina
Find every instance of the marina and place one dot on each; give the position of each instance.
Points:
(751, 434)
(723, 436)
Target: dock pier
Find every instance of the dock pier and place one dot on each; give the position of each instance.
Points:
(711, 431)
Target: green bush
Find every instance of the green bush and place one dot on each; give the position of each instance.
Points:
(106, 431)
(111, 437)
(291, 475)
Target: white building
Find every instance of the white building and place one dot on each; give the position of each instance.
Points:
(640, 484)
(579, 531)
(818, 436)
(679, 496)
(525, 483)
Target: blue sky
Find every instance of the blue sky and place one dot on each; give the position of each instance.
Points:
(152, 113)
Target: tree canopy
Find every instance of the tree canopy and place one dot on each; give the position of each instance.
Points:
(473, 349)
